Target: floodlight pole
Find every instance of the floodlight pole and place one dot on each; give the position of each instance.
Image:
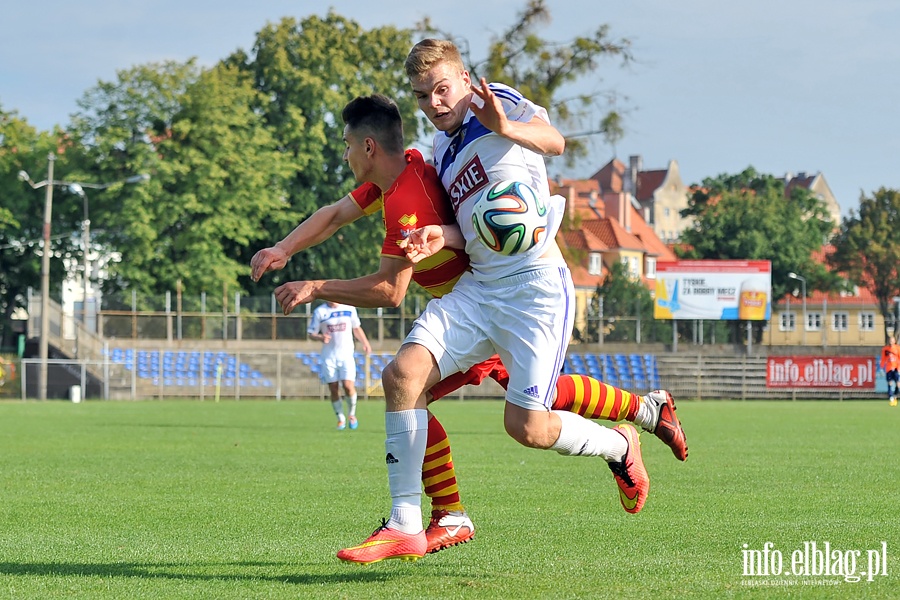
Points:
(44, 347)
(45, 282)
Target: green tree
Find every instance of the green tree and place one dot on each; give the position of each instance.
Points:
(867, 248)
(541, 70)
(747, 216)
(625, 301)
(24, 148)
(306, 72)
(117, 133)
(219, 173)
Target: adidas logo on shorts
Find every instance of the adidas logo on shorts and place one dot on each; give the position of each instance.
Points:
(532, 391)
(389, 459)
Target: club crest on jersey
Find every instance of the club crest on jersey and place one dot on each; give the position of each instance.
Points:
(471, 179)
(408, 221)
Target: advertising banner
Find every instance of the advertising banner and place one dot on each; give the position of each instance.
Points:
(821, 372)
(714, 289)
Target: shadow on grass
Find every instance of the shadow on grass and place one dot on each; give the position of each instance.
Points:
(343, 573)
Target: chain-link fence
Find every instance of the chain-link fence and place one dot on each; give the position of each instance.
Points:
(216, 374)
(260, 318)
(234, 318)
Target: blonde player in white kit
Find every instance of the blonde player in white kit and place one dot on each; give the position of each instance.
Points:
(335, 325)
(520, 307)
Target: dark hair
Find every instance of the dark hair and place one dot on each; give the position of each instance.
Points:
(376, 116)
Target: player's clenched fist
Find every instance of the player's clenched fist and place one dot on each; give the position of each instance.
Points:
(267, 259)
(294, 293)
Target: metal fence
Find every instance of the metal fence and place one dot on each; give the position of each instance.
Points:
(173, 319)
(282, 375)
(237, 318)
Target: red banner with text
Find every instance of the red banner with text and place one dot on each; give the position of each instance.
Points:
(820, 371)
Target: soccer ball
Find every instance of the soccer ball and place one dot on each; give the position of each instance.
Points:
(510, 218)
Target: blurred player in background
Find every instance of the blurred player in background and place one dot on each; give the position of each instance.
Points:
(4, 366)
(335, 325)
(890, 362)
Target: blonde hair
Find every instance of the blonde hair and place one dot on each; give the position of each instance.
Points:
(430, 52)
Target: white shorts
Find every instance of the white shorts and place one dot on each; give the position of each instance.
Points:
(334, 368)
(526, 319)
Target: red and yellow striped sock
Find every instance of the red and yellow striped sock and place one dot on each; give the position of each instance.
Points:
(438, 474)
(594, 399)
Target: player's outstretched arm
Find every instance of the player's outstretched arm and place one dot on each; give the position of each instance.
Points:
(387, 288)
(537, 135)
(320, 226)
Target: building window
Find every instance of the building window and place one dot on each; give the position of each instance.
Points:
(666, 212)
(595, 264)
(650, 268)
(631, 266)
(839, 321)
(866, 321)
(788, 322)
(814, 321)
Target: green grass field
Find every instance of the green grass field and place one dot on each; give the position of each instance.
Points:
(252, 500)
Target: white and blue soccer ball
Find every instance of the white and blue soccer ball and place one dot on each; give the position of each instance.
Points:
(510, 218)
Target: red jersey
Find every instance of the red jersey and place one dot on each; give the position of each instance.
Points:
(416, 199)
(890, 357)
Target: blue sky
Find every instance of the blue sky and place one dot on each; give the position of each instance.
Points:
(784, 86)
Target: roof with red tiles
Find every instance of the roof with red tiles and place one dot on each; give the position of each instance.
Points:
(648, 182)
(582, 197)
(859, 297)
(611, 232)
(802, 182)
(584, 239)
(611, 176)
(651, 242)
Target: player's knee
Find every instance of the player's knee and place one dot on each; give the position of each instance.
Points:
(392, 377)
(529, 430)
(402, 386)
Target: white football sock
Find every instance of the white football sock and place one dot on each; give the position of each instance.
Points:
(646, 416)
(351, 405)
(407, 435)
(337, 406)
(582, 437)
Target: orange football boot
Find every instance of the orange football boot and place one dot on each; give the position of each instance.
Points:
(386, 543)
(630, 475)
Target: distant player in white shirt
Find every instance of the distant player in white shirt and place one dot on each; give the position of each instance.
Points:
(335, 325)
(520, 307)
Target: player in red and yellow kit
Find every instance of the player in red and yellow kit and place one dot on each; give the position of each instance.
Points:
(414, 197)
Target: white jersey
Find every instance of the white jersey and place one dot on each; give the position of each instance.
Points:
(338, 322)
(474, 157)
